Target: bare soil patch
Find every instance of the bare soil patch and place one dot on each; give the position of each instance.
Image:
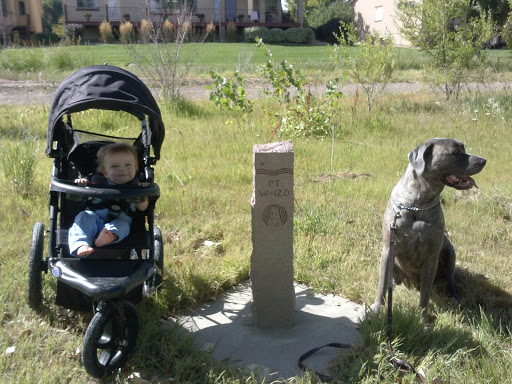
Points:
(26, 92)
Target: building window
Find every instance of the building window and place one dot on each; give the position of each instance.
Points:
(378, 13)
(87, 3)
(21, 8)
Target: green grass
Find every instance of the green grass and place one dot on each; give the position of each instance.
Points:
(54, 63)
(205, 175)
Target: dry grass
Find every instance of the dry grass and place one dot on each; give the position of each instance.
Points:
(205, 176)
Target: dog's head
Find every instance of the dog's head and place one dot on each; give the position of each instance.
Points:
(446, 161)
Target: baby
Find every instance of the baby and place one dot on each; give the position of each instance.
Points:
(118, 163)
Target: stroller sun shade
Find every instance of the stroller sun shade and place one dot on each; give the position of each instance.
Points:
(103, 87)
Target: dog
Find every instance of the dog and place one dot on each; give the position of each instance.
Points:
(422, 251)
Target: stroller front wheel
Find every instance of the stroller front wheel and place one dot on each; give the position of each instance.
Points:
(35, 267)
(110, 338)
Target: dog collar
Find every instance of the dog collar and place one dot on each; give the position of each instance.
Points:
(401, 206)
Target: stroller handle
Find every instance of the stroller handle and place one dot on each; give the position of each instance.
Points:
(120, 192)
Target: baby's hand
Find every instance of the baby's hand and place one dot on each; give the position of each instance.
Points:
(144, 184)
(82, 182)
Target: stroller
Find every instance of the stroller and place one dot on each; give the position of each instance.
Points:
(117, 276)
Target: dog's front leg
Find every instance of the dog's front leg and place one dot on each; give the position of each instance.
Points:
(383, 279)
(428, 274)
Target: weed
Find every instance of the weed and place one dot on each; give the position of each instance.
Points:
(19, 167)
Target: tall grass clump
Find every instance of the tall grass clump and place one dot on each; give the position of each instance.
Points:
(167, 31)
(60, 58)
(106, 33)
(145, 31)
(126, 32)
(231, 32)
(22, 60)
(19, 163)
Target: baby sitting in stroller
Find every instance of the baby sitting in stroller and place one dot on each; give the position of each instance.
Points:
(101, 224)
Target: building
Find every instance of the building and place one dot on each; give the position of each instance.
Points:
(378, 15)
(243, 13)
(21, 17)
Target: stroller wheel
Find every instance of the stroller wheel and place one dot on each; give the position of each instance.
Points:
(35, 267)
(110, 338)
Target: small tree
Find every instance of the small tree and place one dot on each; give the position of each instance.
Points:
(449, 36)
(161, 62)
(371, 66)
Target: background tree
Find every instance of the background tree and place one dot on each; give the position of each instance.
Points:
(497, 9)
(319, 12)
(52, 11)
(451, 38)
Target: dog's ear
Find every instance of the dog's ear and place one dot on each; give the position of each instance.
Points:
(420, 156)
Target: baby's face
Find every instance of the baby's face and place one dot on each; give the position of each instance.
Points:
(120, 168)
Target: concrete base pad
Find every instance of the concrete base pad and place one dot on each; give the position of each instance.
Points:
(225, 325)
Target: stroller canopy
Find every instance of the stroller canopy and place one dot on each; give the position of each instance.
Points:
(104, 87)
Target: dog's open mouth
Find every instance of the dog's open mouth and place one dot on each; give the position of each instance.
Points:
(464, 182)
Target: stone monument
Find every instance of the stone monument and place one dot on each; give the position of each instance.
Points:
(272, 235)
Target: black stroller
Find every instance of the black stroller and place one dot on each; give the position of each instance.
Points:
(118, 275)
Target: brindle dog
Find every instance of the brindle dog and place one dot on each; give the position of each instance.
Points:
(422, 251)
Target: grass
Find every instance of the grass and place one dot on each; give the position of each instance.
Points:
(54, 63)
(205, 176)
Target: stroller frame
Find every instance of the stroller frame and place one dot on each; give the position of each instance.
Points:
(115, 276)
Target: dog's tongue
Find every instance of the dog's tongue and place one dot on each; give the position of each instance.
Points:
(465, 182)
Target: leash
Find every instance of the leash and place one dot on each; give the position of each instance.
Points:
(401, 365)
(322, 376)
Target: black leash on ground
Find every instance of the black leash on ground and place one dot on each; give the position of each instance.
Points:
(401, 365)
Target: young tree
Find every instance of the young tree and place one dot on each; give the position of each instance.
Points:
(449, 36)
(371, 66)
(159, 56)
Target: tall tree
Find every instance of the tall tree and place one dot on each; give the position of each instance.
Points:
(497, 9)
(52, 10)
(318, 12)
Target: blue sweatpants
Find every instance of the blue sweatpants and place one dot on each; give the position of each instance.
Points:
(89, 224)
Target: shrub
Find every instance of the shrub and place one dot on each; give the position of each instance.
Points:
(326, 32)
(308, 117)
(274, 36)
(74, 33)
(299, 35)
(46, 38)
(167, 31)
(231, 32)
(126, 32)
(253, 33)
(145, 31)
(107, 36)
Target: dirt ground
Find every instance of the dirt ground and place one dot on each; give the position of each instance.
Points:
(27, 92)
